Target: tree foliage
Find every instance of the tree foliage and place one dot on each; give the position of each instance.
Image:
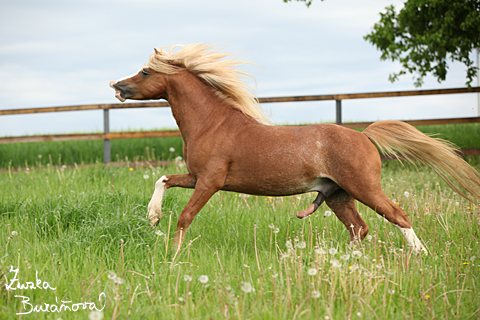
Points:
(425, 34)
(307, 2)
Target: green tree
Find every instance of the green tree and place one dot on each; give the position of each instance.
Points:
(425, 34)
(307, 2)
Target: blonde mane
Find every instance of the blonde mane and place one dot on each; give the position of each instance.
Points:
(214, 68)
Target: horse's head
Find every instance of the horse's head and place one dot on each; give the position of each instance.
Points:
(145, 85)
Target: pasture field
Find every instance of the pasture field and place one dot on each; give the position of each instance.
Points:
(84, 233)
(17, 155)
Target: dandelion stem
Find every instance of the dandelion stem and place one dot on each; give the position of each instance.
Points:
(256, 251)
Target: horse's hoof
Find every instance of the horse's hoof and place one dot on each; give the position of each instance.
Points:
(420, 250)
(154, 219)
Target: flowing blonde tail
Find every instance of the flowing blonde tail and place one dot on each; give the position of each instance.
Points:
(438, 154)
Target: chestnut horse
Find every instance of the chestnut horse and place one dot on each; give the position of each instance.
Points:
(228, 145)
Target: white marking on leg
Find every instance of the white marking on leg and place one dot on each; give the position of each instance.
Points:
(412, 239)
(155, 205)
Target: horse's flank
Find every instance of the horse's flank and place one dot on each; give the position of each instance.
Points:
(214, 68)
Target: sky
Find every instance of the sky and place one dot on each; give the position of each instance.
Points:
(65, 52)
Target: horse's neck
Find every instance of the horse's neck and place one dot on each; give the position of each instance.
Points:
(195, 106)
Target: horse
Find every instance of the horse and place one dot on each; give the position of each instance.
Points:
(229, 144)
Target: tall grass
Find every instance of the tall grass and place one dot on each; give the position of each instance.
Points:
(85, 232)
(56, 153)
(69, 152)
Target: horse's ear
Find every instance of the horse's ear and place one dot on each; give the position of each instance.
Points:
(156, 51)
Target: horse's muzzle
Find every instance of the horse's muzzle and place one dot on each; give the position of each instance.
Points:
(121, 90)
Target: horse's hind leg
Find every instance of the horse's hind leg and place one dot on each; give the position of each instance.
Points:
(380, 203)
(343, 205)
(373, 196)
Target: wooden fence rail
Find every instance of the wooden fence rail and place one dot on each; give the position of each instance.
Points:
(106, 136)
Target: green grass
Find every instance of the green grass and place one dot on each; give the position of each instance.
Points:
(466, 136)
(88, 151)
(69, 152)
(81, 229)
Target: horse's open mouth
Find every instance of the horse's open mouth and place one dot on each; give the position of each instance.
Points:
(118, 93)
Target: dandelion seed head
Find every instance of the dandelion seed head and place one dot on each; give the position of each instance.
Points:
(187, 277)
(276, 230)
(315, 294)
(335, 263)
(345, 257)
(203, 279)
(312, 272)
(95, 315)
(327, 213)
(246, 287)
(172, 149)
(332, 251)
(301, 245)
(112, 276)
(356, 254)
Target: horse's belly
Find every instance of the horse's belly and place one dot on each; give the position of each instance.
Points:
(272, 184)
(268, 189)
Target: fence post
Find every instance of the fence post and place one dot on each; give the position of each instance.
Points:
(478, 80)
(339, 111)
(106, 142)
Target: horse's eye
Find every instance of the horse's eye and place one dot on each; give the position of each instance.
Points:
(145, 73)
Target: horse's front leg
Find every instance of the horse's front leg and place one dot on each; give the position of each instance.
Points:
(165, 182)
(203, 192)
